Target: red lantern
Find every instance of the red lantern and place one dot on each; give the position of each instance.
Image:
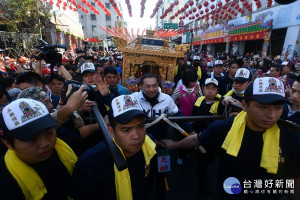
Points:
(201, 12)
(74, 3)
(237, 6)
(229, 10)
(57, 5)
(225, 7)
(176, 2)
(232, 4)
(242, 11)
(172, 5)
(186, 14)
(176, 14)
(197, 14)
(182, 10)
(186, 6)
(190, 12)
(51, 2)
(88, 4)
(83, 1)
(220, 4)
(205, 3)
(227, 1)
(191, 3)
(65, 4)
(74, 9)
(199, 6)
(70, 7)
(194, 10)
(86, 11)
(206, 9)
(79, 6)
(245, 4)
(64, 8)
(212, 6)
(235, 14)
(232, 12)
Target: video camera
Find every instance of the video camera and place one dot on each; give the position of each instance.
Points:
(75, 86)
(49, 52)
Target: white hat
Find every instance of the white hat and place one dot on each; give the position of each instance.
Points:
(119, 58)
(285, 63)
(211, 81)
(242, 75)
(125, 108)
(266, 90)
(87, 67)
(25, 118)
(218, 62)
(196, 58)
(210, 64)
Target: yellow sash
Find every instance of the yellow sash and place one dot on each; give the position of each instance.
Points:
(214, 108)
(29, 181)
(270, 152)
(230, 93)
(122, 178)
(199, 73)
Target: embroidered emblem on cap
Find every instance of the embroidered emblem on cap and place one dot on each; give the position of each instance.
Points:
(243, 73)
(273, 87)
(129, 103)
(28, 112)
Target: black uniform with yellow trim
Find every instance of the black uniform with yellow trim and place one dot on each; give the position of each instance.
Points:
(202, 108)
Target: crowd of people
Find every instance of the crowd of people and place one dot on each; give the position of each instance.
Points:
(52, 146)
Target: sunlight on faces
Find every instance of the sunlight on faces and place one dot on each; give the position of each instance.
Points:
(90, 78)
(150, 87)
(295, 93)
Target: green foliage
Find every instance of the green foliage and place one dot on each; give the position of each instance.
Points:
(25, 15)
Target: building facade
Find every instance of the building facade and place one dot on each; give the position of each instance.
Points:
(272, 29)
(91, 22)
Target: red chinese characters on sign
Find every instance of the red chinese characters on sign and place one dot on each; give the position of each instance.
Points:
(248, 36)
(164, 164)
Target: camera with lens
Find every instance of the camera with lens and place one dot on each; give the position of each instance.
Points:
(75, 86)
(49, 52)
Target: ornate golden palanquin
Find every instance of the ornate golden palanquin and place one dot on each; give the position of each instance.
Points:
(149, 54)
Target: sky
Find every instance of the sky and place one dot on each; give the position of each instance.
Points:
(135, 21)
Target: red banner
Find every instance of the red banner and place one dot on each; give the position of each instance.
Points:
(248, 36)
(235, 38)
